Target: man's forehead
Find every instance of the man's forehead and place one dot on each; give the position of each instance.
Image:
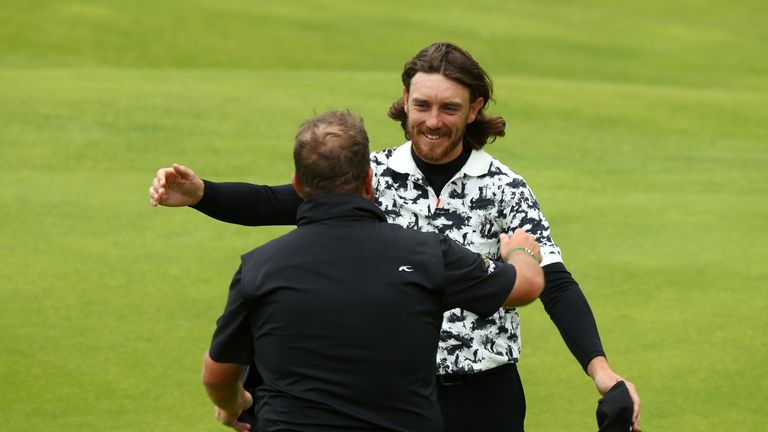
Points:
(437, 86)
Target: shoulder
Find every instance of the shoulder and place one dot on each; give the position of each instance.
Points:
(267, 263)
(498, 175)
(392, 167)
(381, 157)
(496, 168)
(482, 165)
(271, 250)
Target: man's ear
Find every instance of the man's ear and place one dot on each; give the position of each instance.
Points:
(296, 185)
(475, 108)
(368, 187)
(405, 100)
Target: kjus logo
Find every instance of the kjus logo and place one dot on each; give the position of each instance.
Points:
(405, 268)
(490, 266)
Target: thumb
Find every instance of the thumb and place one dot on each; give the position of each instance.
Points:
(503, 242)
(182, 171)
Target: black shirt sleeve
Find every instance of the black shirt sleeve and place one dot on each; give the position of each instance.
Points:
(568, 309)
(473, 282)
(249, 204)
(232, 341)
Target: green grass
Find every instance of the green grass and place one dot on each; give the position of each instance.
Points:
(641, 128)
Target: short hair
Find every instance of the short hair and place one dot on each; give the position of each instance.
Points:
(458, 65)
(331, 154)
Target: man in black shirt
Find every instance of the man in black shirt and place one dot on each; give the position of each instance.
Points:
(342, 316)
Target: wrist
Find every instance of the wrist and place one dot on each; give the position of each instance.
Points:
(233, 406)
(521, 251)
(597, 366)
(199, 192)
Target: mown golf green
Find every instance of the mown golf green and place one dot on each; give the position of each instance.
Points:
(642, 127)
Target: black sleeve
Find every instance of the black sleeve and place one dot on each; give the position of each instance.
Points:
(472, 281)
(249, 204)
(232, 341)
(569, 310)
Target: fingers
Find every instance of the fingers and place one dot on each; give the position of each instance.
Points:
(177, 172)
(153, 197)
(227, 420)
(635, 405)
(239, 426)
(519, 236)
(635, 401)
(162, 177)
(183, 172)
(157, 190)
(519, 239)
(245, 403)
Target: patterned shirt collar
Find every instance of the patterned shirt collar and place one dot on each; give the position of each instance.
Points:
(401, 161)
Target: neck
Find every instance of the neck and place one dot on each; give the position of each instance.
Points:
(438, 175)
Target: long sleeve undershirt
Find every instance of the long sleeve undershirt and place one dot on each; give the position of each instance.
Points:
(249, 204)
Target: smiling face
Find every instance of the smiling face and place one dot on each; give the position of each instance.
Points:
(438, 112)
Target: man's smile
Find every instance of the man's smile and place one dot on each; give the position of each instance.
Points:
(433, 136)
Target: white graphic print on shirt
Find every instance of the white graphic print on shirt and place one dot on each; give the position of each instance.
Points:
(483, 200)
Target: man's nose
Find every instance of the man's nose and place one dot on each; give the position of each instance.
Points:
(433, 120)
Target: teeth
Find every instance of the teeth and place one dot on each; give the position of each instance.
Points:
(432, 137)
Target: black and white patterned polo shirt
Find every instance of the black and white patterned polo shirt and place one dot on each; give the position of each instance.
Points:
(484, 199)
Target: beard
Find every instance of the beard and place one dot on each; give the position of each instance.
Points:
(435, 153)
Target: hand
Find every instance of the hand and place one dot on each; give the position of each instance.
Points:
(521, 251)
(520, 238)
(605, 378)
(230, 419)
(176, 186)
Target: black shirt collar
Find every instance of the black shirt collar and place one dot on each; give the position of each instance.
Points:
(438, 176)
(337, 206)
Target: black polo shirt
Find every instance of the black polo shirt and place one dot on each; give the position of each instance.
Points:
(342, 318)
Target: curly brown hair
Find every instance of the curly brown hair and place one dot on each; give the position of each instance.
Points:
(458, 65)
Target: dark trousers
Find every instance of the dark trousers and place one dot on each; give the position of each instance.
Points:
(489, 401)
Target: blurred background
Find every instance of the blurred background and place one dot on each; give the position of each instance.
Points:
(640, 126)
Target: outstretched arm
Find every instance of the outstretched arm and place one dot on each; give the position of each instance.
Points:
(250, 204)
(239, 203)
(569, 310)
(566, 304)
